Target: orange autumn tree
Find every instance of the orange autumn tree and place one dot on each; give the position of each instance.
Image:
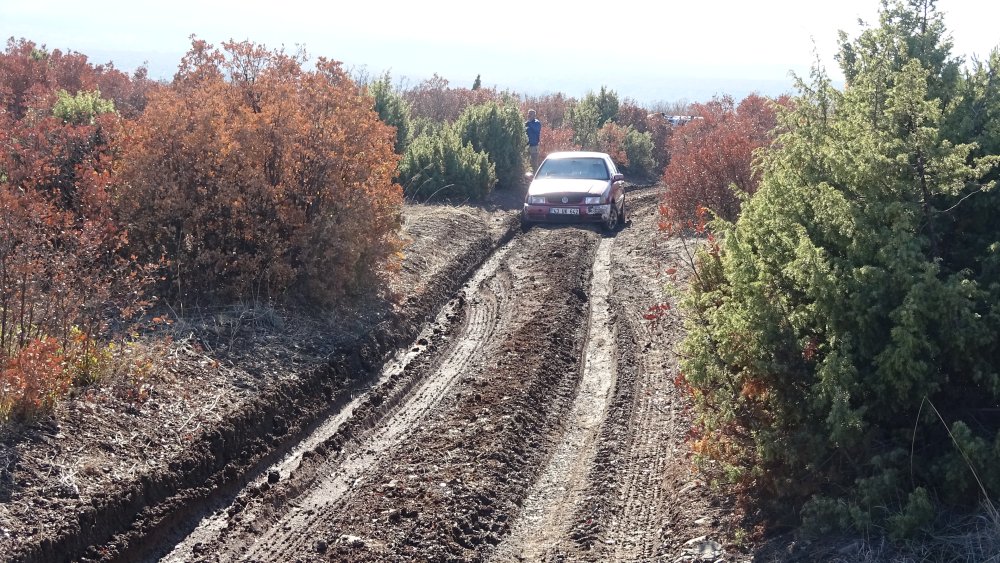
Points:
(710, 154)
(551, 109)
(256, 178)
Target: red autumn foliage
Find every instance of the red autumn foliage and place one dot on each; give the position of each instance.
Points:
(611, 140)
(708, 155)
(660, 130)
(129, 93)
(27, 79)
(551, 109)
(255, 177)
(30, 76)
(435, 100)
(63, 279)
(631, 113)
(554, 140)
(33, 378)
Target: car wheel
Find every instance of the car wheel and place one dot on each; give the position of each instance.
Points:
(621, 215)
(612, 223)
(525, 224)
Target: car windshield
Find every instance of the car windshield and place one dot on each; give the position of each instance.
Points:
(579, 168)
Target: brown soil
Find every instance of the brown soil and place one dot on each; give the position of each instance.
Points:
(516, 405)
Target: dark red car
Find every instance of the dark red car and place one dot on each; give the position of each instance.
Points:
(576, 186)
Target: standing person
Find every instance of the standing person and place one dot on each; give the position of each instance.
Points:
(533, 128)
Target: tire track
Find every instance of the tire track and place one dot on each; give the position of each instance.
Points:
(488, 288)
(454, 485)
(622, 516)
(546, 517)
(647, 502)
(440, 466)
(660, 500)
(489, 294)
(634, 530)
(649, 447)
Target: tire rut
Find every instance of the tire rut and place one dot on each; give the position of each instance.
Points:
(464, 429)
(642, 459)
(653, 442)
(543, 527)
(363, 426)
(488, 294)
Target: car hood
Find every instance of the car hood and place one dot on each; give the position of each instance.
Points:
(559, 185)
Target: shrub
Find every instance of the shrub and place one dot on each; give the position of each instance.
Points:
(440, 165)
(630, 149)
(425, 126)
(585, 121)
(631, 114)
(435, 100)
(256, 178)
(30, 76)
(64, 279)
(32, 379)
(639, 150)
(660, 131)
(550, 109)
(604, 104)
(555, 140)
(497, 130)
(838, 358)
(611, 139)
(711, 155)
(81, 109)
(127, 92)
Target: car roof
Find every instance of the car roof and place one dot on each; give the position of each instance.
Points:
(577, 154)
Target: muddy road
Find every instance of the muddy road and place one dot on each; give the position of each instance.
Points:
(534, 419)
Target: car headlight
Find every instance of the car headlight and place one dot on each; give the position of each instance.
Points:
(536, 199)
(592, 200)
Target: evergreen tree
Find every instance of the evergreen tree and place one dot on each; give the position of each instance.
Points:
(81, 109)
(496, 129)
(393, 110)
(910, 29)
(590, 114)
(439, 165)
(829, 323)
(606, 104)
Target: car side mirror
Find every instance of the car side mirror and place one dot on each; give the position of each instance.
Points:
(618, 177)
(529, 175)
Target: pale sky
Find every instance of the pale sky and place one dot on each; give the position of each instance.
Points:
(647, 51)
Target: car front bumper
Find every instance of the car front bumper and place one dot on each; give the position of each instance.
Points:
(566, 213)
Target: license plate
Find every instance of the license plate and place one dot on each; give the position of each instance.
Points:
(565, 211)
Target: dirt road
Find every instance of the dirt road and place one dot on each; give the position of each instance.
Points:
(533, 417)
(533, 420)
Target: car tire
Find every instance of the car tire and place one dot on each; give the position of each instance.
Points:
(611, 225)
(622, 219)
(525, 224)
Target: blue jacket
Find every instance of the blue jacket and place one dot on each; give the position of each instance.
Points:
(534, 130)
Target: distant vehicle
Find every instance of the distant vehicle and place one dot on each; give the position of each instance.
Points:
(576, 186)
(675, 120)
